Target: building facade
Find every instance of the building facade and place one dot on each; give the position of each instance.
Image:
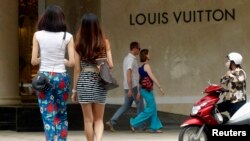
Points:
(188, 42)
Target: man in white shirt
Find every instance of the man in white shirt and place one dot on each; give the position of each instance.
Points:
(130, 84)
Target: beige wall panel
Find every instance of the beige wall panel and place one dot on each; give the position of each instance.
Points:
(184, 55)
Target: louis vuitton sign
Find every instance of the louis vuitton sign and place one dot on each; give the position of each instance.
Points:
(182, 17)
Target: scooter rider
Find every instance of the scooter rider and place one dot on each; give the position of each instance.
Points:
(235, 81)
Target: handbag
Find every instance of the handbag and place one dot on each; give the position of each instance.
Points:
(147, 83)
(107, 80)
(41, 82)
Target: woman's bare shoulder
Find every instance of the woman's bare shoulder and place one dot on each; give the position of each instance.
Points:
(147, 67)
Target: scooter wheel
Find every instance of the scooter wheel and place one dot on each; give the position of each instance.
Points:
(189, 133)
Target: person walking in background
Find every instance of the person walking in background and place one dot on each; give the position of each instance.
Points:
(52, 40)
(130, 84)
(147, 78)
(91, 45)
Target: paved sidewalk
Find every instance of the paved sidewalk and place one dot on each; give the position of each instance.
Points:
(167, 135)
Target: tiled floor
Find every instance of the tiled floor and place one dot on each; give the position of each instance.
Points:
(167, 135)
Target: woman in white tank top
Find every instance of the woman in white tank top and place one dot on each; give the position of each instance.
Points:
(52, 40)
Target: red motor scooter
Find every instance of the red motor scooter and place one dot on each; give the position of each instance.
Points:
(204, 112)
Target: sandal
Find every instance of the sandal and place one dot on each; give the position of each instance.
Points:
(132, 128)
(156, 131)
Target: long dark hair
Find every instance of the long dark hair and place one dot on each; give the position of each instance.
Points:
(90, 42)
(53, 19)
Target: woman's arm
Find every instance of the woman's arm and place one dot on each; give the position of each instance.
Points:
(77, 70)
(71, 52)
(35, 60)
(109, 54)
(147, 68)
(237, 76)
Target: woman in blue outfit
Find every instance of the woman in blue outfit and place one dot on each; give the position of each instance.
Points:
(50, 43)
(147, 79)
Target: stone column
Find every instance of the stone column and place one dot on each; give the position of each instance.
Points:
(9, 66)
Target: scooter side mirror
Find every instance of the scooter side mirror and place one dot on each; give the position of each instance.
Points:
(209, 82)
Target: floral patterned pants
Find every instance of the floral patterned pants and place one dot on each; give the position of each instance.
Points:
(53, 106)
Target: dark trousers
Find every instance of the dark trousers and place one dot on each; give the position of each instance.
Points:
(231, 108)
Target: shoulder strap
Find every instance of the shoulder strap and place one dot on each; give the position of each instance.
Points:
(143, 66)
(64, 35)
